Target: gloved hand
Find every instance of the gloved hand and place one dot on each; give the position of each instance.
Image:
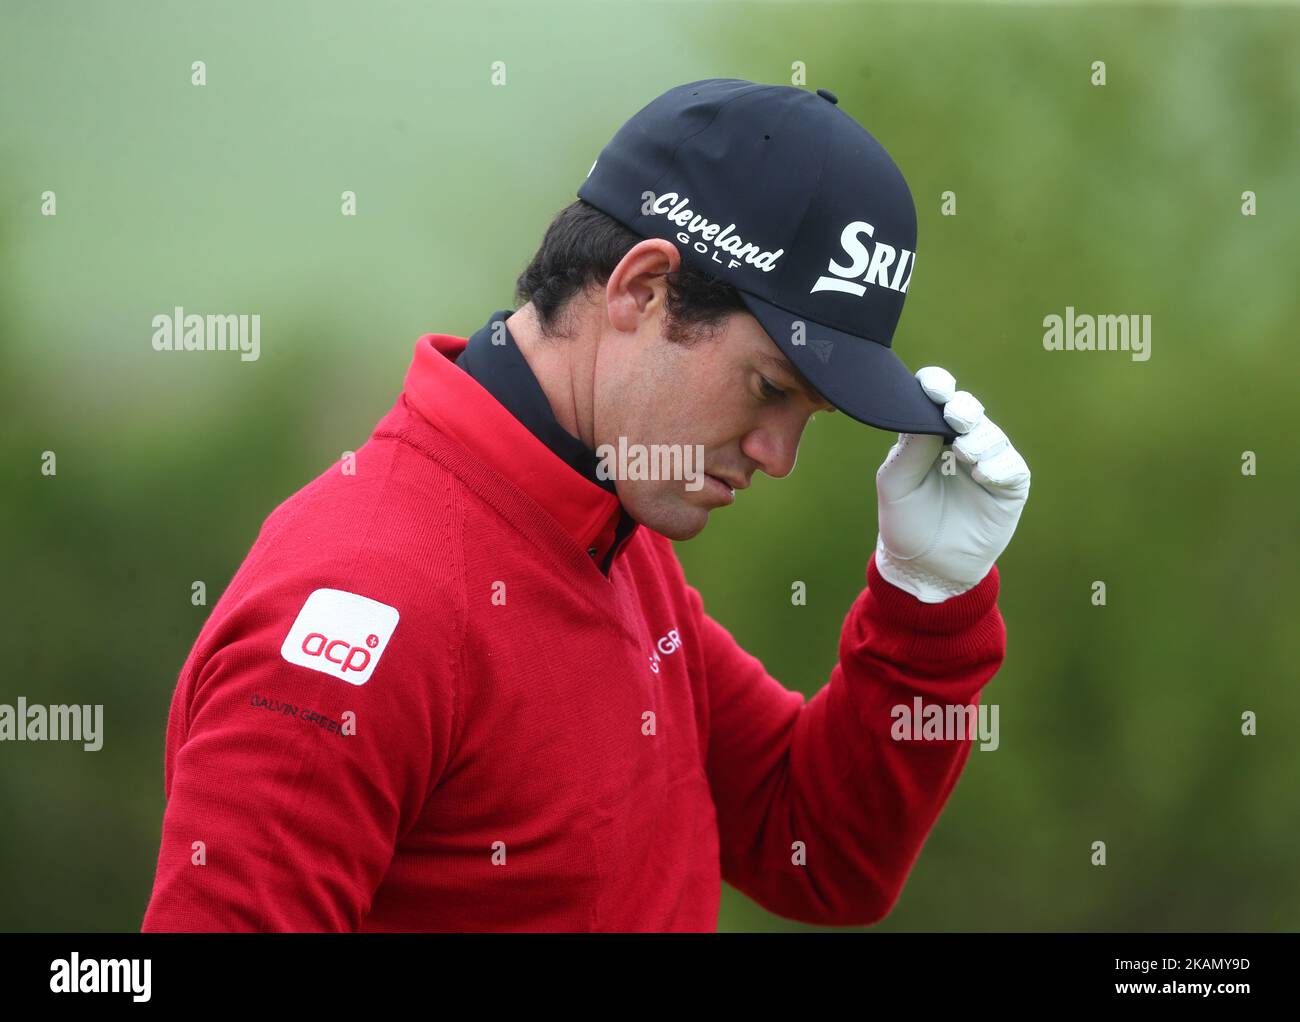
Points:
(940, 534)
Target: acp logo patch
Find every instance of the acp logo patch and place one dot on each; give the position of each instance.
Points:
(340, 634)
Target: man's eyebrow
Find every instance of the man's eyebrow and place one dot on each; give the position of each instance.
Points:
(783, 363)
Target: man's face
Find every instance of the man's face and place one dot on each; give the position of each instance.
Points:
(731, 392)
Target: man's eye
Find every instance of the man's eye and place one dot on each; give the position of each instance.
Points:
(769, 389)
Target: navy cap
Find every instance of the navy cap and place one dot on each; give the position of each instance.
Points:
(780, 193)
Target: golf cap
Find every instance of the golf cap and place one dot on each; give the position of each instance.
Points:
(780, 193)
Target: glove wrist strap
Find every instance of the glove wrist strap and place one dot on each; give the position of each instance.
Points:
(910, 577)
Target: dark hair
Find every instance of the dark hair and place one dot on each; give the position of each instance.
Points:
(581, 248)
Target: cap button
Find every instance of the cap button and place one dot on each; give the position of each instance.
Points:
(827, 95)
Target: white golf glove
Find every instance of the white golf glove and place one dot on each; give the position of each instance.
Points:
(940, 534)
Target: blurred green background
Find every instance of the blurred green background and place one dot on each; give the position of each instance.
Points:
(1118, 723)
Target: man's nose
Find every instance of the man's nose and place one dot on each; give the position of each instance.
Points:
(773, 448)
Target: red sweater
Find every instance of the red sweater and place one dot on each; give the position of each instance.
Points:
(420, 705)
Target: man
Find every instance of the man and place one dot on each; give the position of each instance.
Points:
(462, 684)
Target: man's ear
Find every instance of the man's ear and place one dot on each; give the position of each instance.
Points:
(637, 283)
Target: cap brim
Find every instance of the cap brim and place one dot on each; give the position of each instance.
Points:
(865, 380)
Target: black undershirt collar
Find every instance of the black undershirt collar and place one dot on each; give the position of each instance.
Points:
(501, 369)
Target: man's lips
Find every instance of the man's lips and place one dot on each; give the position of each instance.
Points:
(723, 492)
(723, 488)
(726, 480)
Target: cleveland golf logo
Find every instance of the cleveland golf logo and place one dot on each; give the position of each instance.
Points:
(867, 264)
(340, 634)
(712, 235)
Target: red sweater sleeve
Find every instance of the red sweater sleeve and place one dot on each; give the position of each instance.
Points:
(826, 772)
(298, 822)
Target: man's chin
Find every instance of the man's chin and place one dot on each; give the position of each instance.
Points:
(687, 533)
(681, 523)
